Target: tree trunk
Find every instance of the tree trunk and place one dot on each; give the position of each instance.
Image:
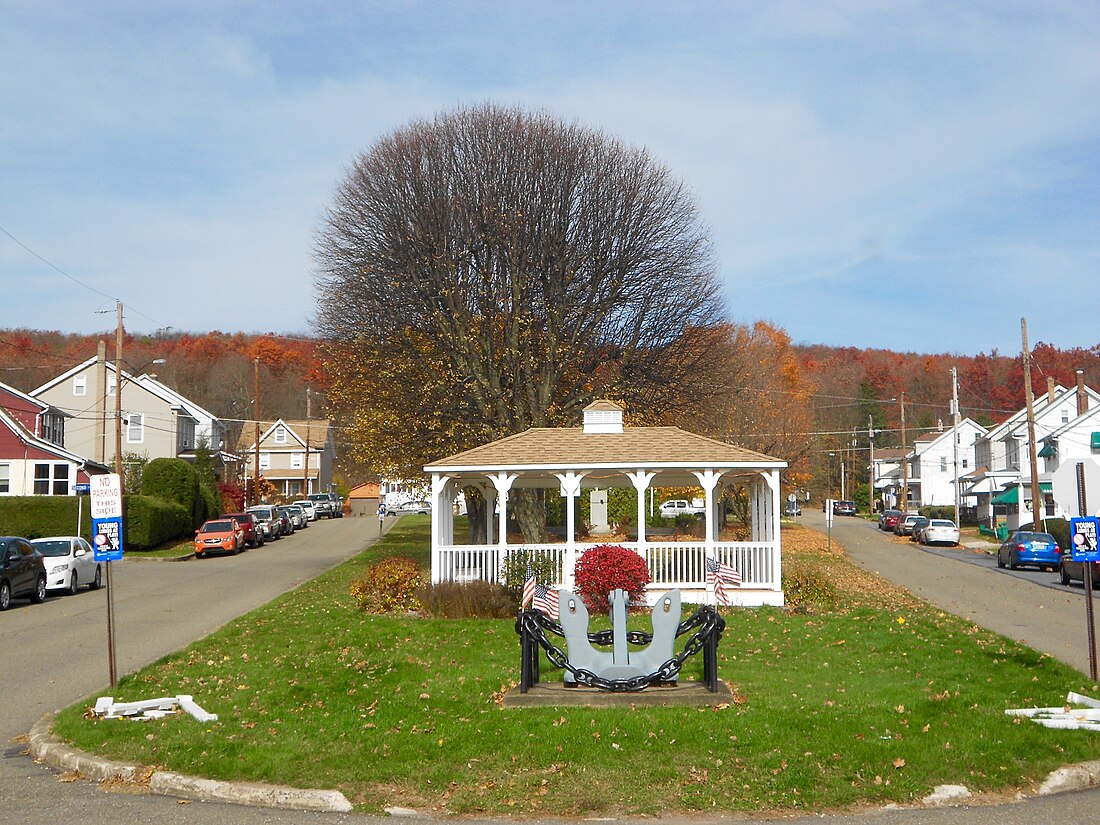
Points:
(476, 515)
(530, 510)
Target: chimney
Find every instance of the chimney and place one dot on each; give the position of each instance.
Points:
(1082, 396)
(1050, 388)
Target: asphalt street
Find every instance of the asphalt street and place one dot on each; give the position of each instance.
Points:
(55, 654)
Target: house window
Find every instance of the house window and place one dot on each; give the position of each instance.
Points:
(80, 385)
(943, 464)
(1065, 415)
(110, 385)
(51, 479)
(53, 429)
(965, 463)
(186, 435)
(296, 461)
(280, 434)
(265, 461)
(135, 428)
(294, 487)
(5, 478)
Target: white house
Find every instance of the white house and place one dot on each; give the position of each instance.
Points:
(603, 453)
(932, 470)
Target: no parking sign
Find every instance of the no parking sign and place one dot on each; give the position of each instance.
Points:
(106, 495)
(1083, 532)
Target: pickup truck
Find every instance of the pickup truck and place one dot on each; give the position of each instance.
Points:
(679, 506)
(327, 505)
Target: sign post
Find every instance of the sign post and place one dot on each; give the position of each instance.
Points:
(1083, 543)
(106, 496)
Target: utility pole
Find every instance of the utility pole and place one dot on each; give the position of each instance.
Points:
(305, 471)
(101, 402)
(871, 471)
(1036, 492)
(112, 666)
(955, 435)
(256, 474)
(904, 460)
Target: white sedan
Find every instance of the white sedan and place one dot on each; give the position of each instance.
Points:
(940, 531)
(69, 563)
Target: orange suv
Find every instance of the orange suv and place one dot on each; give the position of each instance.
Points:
(222, 535)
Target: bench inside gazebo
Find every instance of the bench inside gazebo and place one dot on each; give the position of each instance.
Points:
(602, 454)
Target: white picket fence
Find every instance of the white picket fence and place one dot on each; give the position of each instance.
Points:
(671, 565)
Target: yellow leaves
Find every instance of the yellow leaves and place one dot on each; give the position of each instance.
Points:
(899, 763)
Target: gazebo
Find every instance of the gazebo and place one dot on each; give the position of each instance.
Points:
(602, 454)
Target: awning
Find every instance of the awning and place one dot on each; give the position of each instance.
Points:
(1096, 441)
(1012, 494)
(1047, 451)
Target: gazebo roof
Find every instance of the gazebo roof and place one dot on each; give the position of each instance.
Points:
(543, 451)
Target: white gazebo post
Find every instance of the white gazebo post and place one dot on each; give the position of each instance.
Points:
(570, 488)
(640, 479)
(502, 481)
(769, 521)
(439, 489)
(490, 494)
(708, 480)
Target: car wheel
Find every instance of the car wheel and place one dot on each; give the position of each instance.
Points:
(97, 582)
(1013, 561)
(198, 554)
(39, 595)
(1000, 561)
(1063, 574)
(261, 541)
(73, 585)
(5, 595)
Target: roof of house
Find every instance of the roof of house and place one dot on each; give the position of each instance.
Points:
(297, 430)
(368, 490)
(29, 438)
(572, 447)
(146, 382)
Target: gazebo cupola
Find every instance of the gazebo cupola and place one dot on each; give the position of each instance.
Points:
(603, 417)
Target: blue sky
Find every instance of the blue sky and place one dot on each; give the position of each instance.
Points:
(915, 176)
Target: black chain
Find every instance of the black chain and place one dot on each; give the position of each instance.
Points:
(706, 618)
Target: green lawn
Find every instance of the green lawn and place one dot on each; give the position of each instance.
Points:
(877, 700)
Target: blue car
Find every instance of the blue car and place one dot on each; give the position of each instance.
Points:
(1025, 547)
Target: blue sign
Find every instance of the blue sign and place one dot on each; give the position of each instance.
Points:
(82, 489)
(107, 539)
(1083, 534)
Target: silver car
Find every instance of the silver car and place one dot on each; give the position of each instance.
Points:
(940, 531)
(70, 563)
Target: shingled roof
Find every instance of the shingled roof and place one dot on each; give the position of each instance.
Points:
(566, 448)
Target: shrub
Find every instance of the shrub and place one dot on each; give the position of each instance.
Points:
(545, 567)
(36, 516)
(938, 511)
(468, 600)
(388, 586)
(608, 567)
(173, 479)
(151, 521)
(807, 586)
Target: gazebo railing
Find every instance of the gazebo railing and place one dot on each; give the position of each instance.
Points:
(671, 564)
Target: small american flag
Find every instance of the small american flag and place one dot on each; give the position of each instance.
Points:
(528, 588)
(546, 600)
(720, 574)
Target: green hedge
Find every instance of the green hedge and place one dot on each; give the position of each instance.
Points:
(173, 479)
(34, 517)
(149, 521)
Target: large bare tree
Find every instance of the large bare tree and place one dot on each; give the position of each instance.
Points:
(492, 269)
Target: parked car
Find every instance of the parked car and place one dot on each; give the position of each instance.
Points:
(792, 508)
(420, 508)
(679, 507)
(267, 521)
(904, 524)
(22, 572)
(889, 519)
(308, 508)
(253, 536)
(842, 507)
(297, 516)
(70, 563)
(328, 505)
(223, 535)
(1025, 547)
(917, 528)
(1070, 570)
(940, 531)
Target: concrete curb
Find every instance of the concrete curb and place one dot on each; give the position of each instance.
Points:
(47, 748)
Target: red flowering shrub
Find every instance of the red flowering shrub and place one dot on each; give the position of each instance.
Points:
(608, 567)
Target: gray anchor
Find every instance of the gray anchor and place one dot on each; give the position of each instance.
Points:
(621, 663)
